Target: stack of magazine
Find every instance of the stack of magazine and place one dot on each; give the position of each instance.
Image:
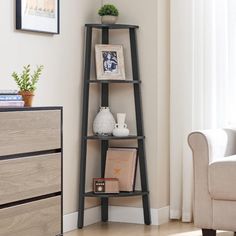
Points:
(10, 98)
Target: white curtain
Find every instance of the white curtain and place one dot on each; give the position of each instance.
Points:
(203, 85)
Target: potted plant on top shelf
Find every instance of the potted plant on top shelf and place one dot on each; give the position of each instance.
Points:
(27, 83)
(109, 14)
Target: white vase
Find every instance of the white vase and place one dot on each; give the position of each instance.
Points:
(104, 122)
(120, 129)
(109, 19)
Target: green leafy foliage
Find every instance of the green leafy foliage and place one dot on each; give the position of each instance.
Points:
(27, 81)
(108, 10)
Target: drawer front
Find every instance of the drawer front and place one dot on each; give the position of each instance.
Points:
(40, 218)
(29, 131)
(28, 177)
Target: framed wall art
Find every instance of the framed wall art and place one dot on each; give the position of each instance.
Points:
(38, 16)
(109, 62)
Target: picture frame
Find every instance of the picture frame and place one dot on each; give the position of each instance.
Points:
(109, 62)
(121, 163)
(38, 16)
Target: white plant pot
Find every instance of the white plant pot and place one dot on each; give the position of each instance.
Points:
(104, 122)
(109, 19)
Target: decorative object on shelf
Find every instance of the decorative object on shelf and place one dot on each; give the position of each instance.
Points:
(38, 16)
(110, 62)
(27, 83)
(109, 14)
(104, 122)
(120, 129)
(106, 185)
(121, 163)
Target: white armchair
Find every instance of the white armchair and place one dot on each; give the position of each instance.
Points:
(214, 158)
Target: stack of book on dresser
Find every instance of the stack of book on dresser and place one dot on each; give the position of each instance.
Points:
(10, 98)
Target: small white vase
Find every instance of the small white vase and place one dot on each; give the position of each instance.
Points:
(104, 122)
(109, 19)
(120, 131)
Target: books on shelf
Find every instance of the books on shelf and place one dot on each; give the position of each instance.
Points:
(10, 98)
(121, 163)
(8, 91)
(12, 103)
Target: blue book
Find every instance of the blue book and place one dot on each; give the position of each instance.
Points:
(10, 98)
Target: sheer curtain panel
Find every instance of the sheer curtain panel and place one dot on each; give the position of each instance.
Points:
(203, 85)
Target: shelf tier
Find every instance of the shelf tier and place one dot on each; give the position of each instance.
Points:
(112, 26)
(114, 81)
(99, 137)
(121, 194)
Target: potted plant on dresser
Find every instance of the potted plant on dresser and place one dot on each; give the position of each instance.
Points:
(27, 83)
(109, 14)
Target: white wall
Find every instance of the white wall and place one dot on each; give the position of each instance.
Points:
(61, 84)
(153, 46)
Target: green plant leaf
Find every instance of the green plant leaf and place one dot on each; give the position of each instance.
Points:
(108, 9)
(26, 81)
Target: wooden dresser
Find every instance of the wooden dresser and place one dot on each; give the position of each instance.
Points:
(31, 171)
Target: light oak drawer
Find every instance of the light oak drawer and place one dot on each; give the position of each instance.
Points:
(29, 131)
(40, 218)
(28, 177)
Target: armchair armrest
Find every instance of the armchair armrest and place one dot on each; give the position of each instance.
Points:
(207, 145)
(214, 142)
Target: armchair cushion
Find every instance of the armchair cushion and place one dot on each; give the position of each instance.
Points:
(222, 178)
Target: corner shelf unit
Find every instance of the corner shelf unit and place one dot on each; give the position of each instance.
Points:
(104, 140)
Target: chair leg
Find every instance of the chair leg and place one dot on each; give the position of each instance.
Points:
(208, 232)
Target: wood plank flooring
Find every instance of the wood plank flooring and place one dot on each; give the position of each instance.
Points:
(120, 229)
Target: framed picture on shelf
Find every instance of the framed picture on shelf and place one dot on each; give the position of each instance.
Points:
(121, 163)
(38, 16)
(109, 62)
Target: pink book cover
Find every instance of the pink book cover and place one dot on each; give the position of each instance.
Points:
(12, 103)
(121, 164)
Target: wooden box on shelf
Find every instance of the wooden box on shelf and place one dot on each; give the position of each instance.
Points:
(105, 185)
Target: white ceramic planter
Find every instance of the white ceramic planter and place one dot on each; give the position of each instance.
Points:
(109, 19)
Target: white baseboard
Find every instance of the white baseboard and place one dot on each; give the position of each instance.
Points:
(116, 214)
(135, 215)
(91, 216)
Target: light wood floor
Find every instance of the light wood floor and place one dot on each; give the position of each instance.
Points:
(120, 229)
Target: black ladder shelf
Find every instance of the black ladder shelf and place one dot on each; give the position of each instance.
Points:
(144, 193)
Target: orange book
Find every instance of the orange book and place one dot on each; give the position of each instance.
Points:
(121, 164)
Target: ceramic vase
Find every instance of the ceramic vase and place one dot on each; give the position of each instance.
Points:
(104, 122)
(120, 129)
(109, 19)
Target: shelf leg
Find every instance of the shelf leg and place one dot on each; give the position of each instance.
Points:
(84, 129)
(104, 201)
(104, 144)
(144, 183)
(104, 213)
(139, 126)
